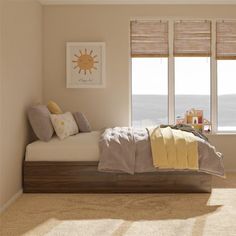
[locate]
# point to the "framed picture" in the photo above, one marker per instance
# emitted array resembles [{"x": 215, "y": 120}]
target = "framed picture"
[{"x": 85, "y": 65}]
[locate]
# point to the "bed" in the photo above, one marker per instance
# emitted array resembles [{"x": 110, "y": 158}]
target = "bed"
[{"x": 70, "y": 166}]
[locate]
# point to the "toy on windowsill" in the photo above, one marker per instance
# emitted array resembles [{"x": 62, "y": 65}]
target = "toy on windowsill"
[
  {"x": 194, "y": 118},
  {"x": 180, "y": 120},
  {"x": 206, "y": 126}
]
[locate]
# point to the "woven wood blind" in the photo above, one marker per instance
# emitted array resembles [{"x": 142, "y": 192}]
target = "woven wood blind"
[
  {"x": 226, "y": 40},
  {"x": 192, "y": 38},
  {"x": 149, "y": 39}
]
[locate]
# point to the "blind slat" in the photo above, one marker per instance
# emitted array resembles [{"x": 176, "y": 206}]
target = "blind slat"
[
  {"x": 226, "y": 40},
  {"x": 192, "y": 38},
  {"x": 149, "y": 38}
]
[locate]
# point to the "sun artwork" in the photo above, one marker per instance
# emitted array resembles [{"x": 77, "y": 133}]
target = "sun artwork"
[{"x": 85, "y": 62}]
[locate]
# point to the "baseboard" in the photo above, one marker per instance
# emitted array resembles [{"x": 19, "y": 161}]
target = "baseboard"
[{"x": 10, "y": 201}]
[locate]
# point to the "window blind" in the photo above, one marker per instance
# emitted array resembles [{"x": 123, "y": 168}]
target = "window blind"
[
  {"x": 226, "y": 40},
  {"x": 149, "y": 38},
  {"x": 192, "y": 38}
]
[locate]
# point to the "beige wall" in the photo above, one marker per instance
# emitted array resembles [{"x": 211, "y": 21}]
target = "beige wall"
[
  {"x": 21, "y": 86},
  {"x": 110, "y": 106}
]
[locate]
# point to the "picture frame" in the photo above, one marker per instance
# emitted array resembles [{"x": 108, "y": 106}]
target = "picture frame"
[{"x": 85, "y": 65}]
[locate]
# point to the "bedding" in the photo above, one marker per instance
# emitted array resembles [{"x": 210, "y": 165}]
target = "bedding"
[
  {"x": 39, "y": 118},
  {"x": 124, "y": 149},
  {"x": 128, "y": 150},
  {"x": 173, "y": 148},
  {"x": 82, "y": 122},
  {"x": 64, "y": 125},
  {"x": 80, "y": 147},
  {"x": 119, "y": 149},
  {"x": 54, "y": 108}
]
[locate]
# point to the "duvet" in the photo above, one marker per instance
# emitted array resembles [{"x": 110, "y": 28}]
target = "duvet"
[{"x": 127, "y": 149}]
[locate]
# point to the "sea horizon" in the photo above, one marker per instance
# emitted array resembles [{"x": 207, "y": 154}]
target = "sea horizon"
[{"x": 151, "y": 109}]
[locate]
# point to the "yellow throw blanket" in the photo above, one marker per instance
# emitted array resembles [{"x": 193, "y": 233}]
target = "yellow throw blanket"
[{"x": 173, "y": 149}]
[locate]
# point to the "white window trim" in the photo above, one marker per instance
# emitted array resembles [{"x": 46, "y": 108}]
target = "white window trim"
[
  {"x": 214, "y": 96},
  {"x": 171, "y": 74}
]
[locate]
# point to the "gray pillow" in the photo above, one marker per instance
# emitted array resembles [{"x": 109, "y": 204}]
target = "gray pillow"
[
  {"x": 82, "y": 122},
  {"x": 39, "y": 118}
]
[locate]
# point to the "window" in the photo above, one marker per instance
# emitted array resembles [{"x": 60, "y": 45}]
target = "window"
[
  {"x": 226, "y": 95},
  {"x": 192, "y": 48},
  {"x": 149, "y": 51},
  {"x": 177, "y": 65},
  {"x": 149, "y": 91},
  {"x": 226, "y": 64},
  {"x": 192, "y": 85}
]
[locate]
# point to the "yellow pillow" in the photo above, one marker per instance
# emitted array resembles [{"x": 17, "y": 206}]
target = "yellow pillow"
[{"x": 54, "y": 108}]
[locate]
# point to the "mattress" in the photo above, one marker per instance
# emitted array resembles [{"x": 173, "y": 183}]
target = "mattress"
[{"x": 80, "y": 147}]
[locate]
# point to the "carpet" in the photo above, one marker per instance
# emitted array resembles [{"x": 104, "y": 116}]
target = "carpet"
[{"x": 124, "y": 214}]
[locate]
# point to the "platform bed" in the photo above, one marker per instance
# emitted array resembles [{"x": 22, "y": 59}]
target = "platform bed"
[{"x": 83, "y": 177}]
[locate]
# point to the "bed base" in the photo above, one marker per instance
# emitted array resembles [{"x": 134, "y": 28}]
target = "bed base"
[{"x": 83, "y": 177}]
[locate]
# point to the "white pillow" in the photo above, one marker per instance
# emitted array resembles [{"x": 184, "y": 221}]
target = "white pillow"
[{"x": 64, "y": 124}]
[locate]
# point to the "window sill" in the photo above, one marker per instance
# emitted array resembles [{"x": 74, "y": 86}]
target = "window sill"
[{"x": 233, "y": 133}]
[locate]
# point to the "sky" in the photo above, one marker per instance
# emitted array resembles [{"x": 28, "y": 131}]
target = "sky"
[{"x": 192, "y": 76}]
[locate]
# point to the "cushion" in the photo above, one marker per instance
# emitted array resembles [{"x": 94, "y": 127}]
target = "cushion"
[
  {"x": 82, "y": 122},
  {"x": 54, "y": 108},
  {"x": 64, "y": 124},
  {"x": 39, "y": 118}
]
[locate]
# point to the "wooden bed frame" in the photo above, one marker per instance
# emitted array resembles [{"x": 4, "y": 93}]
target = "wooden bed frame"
[{"x": 83, "y": 177}]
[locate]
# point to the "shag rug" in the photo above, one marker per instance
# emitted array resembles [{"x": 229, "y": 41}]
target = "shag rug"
[{"x": 124, "y": 214}]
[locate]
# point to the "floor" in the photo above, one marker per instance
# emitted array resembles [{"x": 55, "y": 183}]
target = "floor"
[{"x": 125, "y": 214}]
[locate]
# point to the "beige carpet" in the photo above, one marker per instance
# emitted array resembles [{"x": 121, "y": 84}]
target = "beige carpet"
[{"x": 125, "y": 214}]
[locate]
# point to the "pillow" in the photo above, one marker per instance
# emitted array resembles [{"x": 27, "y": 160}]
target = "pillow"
[
  {"x": 54, "y": 108},
  {"x": 64, "y": 124},
  {"x": 82, "y": 122},
  {"x": 39, "y": 118}
]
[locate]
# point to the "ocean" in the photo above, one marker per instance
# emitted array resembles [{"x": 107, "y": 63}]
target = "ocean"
[{"x": 148, "y": 110}]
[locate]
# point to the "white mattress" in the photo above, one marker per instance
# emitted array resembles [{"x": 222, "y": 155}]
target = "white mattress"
[{"x": 80, "y": 147}]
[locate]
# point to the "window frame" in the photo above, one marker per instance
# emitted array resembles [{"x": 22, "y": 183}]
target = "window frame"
[{"x": 171, "y": 73}]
